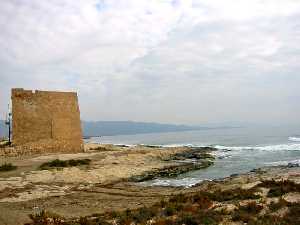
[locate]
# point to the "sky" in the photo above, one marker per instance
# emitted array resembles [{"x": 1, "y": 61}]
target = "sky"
[{"x": 169, "y": 61}]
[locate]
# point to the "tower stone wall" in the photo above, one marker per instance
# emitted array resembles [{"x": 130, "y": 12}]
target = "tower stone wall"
[{"x": 46, "y": 121}]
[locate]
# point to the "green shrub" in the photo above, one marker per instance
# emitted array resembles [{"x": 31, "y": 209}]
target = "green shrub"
[
  {"x": 209, "y": 217},
  {"x": 279, "y": 188},
  {"x": 232, "y": 194},
  {"x": 101, "y": 148},
  {"x": 188, "y": 220},
  {"x": 43, "y": 218},
  {"x": 125, "y": 218},
  {"x": 179, "y": 198},
  {"x": 65, "y": 163},
  {"x": 144, "y": 214},
  {"x": 278, "y": 205},
  {"x": 7, "y": 167},
  {"x": 203, "y": 201},
  {"x": 290, "y": 218},
  {"x": 164, "y": 222},
  {"x": 162, "y": 203},
  {"x": 268, "y": 220},
  {"x": 246, "y": 213},
  {"x": 4, "y": 143},
  {"x": 170, "y": 210}
]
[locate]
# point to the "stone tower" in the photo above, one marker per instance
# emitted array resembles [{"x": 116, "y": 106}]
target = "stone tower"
[{"x": 46, "y": 121}]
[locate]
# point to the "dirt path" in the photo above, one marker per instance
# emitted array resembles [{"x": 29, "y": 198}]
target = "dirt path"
[{"x": 85, "y": 201}]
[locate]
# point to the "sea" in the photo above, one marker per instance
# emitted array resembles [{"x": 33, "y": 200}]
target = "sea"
[{"x": 239, "y": 149}]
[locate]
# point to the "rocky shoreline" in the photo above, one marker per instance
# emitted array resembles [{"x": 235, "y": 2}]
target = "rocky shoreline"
[
  {"x": 171, "y": 171},
  {"x": 186, "y": 161}
]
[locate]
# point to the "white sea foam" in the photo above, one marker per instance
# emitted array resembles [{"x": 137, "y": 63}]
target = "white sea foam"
[
  {"x": 222, "y": 154},
  {"x": 184, "y": 182},
  {"x": 183, "y": 145},
  {"x": 294, "y": 138},
  {"x": 126, "y": 145},
  {"x": 281, "y": 147},
  {"x": 283, "y": 163}
]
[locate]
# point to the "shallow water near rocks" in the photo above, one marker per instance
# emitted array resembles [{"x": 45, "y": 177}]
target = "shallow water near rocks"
[{"x": 239, "y": 149}]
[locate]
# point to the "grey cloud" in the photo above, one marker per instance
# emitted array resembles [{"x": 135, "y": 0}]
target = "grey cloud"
[{"x": 189, "y": 62}]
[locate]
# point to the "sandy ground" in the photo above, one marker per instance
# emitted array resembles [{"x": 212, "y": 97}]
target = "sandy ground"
[
  {"x": 80, "y": 190},
  {"x": 108, "y": 166}
]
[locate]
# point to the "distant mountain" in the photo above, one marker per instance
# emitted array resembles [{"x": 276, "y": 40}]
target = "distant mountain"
[{"x": 110, "y": 128}]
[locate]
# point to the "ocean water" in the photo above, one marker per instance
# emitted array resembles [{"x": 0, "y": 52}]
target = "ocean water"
[{"x": 239, "y": 149}]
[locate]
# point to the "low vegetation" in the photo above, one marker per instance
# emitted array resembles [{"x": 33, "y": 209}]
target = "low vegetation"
[
  {"x": 7, "y": 167},
  {"x": 233, "y": 194},
  {"x": 279, "y": 188},
  {"x": 247, "y": 212},
  {"x": 4, "y": 143},
  {"x": 200, "y": 208},
  {"x": 101, "y": 149},
  {"x": 211, "y": 206},
  {"x": 281, "y": 203},
  {"x": 188, "y": 209},
  {"x": 65, "y": 163},
  {"x": 291, "y": 217}
]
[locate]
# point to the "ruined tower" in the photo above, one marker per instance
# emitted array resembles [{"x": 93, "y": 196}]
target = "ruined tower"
[{"x": 46, "y": 121}]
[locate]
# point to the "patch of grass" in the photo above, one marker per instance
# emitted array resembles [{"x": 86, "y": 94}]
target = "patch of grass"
[
  {"x": 209, "y": 217},
  {"x": 190, "y": 209},
  {"x": 125, "y": 218},
  {"x": 4, "y": 143},
  {"x": 170, "y": 210},
  {"x": 179, "y": 198},
  {"x": 45, "y": 218},
  {"x": 268, "y": 220},
  {"x": 188, "y": 220},
  {"x": 274, "y": 206},
  {"x": 162, "y": 203},
  {"x": 65, "y": 163},
  {"x": 101, "y": 149},
  {"x": 138, "y": 216},
  {"x": 163, "y": 222},
  {"x": 144, "y": 214},
  {"x": 279, "y": 188},
  {"x": 246, "y": 213},
  {"x": 232, "y": 194},
  {"x": 173, "y": 207},
  {"x": 203, "y": 201},
  {"x": 7, "y": 167},
  {"x": 48, "y": 218},
  {"x": 86, "y": 221},
  {"x": 290, "y": 218}
]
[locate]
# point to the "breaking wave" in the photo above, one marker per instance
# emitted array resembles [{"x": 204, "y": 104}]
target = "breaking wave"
[
  {"x": 294, "y": 138},
  {"x": 280, "y": 147},
  {"x": 284, "y": 163},
  {"x": 184, "y": 182}
]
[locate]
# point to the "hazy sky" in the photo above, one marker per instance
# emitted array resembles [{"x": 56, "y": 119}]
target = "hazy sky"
[{"x": 177, "y": 61}]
